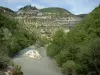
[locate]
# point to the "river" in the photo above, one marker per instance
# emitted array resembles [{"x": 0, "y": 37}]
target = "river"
[{"x": 43, "y": 66}]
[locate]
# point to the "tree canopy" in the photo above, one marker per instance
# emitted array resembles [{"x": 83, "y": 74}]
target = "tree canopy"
[{"x": 79, "y": 48}]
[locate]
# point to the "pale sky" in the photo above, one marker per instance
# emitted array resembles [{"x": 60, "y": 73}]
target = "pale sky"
[{"x": 74, "y": 6}]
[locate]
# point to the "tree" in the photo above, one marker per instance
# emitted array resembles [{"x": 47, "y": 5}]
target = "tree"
[
  {"x": 94, "y": 55},
  {"x": 69, "y": 67},
  {"x": 57, "y": 44}
]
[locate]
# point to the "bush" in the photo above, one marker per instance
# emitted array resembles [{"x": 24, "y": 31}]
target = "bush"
[
  {"x": 81, "y": 45},
  {"x": 69, "y": 67},
  {"x": 3, "y": 61}
]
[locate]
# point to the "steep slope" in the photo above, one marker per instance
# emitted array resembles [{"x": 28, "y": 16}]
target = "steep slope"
[
  {"x": 79, "y": 50},
  {"x": 28, "y": 7},
  {"x": 82, "y": 15},
  {"x": 13, "y": 38},
  {"x": 54, "y": 9},
  {"x": 6, "y": 11},
  {"x": 16, "y": 34},
  {"x": 8, "y": 42}
]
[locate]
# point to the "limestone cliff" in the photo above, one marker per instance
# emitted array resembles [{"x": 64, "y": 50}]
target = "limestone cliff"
[{"x": 46, "y": 21}]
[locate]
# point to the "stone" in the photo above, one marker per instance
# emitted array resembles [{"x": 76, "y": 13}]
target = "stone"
[{"x": 33, "y": 54}]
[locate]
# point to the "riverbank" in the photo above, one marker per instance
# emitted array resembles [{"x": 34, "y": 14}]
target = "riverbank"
[{"x": 43, "y": 66}]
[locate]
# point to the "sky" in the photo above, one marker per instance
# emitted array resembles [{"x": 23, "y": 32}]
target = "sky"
[{"x": 74, "y": 6}]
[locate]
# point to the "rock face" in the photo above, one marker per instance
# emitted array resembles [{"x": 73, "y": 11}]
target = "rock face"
[
  {"x": 9, "y": 70},
  {"x": 46, "y": 21},
  {"x": 33, "y": 54}
]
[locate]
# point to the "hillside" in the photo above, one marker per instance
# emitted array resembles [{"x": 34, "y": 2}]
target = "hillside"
[
  {"x": 13, "y": 38},
  {"x": 82, "y": 15},
  {"x": 28, "y": 7},
  {"x": 78, "y": 51},
  {"x": 55, "y": 10},
  {"x": 6, "y": 11}
]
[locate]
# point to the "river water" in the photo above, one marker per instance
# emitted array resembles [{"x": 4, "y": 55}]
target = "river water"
[{"x": 43, "y": 66}]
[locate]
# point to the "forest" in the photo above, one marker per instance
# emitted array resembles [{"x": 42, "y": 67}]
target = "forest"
[
  {"x": 13, "y": 38},
  {"x": 78, "y": 51}
]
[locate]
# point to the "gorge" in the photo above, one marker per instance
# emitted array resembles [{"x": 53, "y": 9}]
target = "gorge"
[
  {"x": 49, "y": 41},
  {"x": 46, "y": 21}
]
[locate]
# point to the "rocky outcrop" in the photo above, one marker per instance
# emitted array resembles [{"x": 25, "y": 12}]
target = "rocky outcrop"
[{"x": 33, "y": 54}]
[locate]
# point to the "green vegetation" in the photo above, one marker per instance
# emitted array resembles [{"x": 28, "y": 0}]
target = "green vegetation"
[
  {"x": 13, "y": 38},
  {"x": 78, "y": 51},
  {"x": 82, "y": 15},
  {"x": 42, "y": 41},
  {"x": 7, "y": 11},
  {"x": 54, "y": 10},
  {"x": 28, "y": 7}
]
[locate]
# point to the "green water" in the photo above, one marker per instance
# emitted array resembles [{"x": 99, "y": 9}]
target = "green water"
[{"x": 43, "y": 66}]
